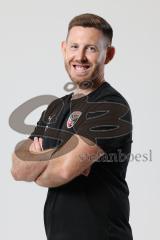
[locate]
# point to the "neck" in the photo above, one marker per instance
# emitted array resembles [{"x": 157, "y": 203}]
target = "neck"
[{"x": 85, "y": 88}]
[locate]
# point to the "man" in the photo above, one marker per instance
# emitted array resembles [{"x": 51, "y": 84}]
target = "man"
[{"x": 81, "y": 145}]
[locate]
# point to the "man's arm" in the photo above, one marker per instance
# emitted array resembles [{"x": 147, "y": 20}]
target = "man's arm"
[
  {"x": 29, "y": 161},
  {"x": 66, "y": 165},
  {"x": 27, "y": 165}
]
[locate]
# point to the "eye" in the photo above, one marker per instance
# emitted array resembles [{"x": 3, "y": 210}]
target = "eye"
[
  {"x": 73, "y": 47},
  {"x": 91, "y": 48}
]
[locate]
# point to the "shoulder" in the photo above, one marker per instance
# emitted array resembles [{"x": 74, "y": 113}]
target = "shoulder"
[
  {"x": 109, "y": 93},
  {"x": 56, "y": 105},
  {"x": 113, "y": 99}
]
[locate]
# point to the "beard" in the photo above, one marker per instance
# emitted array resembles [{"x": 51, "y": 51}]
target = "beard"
[{"x": 91, "y": 80}]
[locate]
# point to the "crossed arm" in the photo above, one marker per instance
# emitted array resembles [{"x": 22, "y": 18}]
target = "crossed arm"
[{"x": 64, "y": 165}]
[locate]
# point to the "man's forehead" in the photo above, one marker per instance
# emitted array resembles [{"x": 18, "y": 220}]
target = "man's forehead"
[
  {"x": 85, "y": 30},
  {"x": 78, "y": 33}
]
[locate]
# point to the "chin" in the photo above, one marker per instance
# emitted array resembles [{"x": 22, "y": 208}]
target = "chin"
[{"x": 80, "y": 80}]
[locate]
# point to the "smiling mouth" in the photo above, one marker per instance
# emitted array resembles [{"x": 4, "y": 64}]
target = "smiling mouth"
[{"x": 81, "y": 68}]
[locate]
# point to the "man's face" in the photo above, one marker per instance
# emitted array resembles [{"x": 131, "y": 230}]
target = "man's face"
[{"x": 85, "y": 54}]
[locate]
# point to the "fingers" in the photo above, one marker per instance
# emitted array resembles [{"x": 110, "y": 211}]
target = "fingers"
[
  {"x": 32, "y": 147},
  {"x": 36, "y": 146},
  {"x": 41, "y": 143}
]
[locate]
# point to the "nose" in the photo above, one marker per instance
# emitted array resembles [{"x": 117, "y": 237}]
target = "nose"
[{"x": 81, "y": 55}]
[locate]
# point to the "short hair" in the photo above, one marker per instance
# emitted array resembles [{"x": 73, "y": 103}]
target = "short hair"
[{"x": 95, "y": 21}]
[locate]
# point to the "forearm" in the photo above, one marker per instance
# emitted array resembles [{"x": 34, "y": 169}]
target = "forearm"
[
  {"x": 50, "y": 182},
  {"x": 27, "y": 166},
  {"x": 54, "y": 176},
  {"x": 65, "y": 165},
  {"x": 26, "y": 170}
]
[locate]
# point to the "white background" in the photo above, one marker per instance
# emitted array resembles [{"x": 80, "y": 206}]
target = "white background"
[{"x": 31, "y": 64}]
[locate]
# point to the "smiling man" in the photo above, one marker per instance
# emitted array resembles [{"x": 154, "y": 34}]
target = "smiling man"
[{"x": 80, "y": 147}]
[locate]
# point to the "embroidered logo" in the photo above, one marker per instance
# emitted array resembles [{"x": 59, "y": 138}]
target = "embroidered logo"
[{"x": 73, "y": 118}]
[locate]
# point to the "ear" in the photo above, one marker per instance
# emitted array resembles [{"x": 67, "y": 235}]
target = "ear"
[
  {"x": 63, "y": 47},
  {"x": 109, "y": 54}
]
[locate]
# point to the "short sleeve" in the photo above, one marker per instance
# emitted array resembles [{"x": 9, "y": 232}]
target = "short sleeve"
[
  {"x": 40, "y": 127},
  {"x": 47, "y": 117}
]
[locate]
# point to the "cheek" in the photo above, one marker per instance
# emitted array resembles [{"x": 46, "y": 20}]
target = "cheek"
[
  {"x": 97, "y": 58},
  {"x": 69, "y": 55},
  {"x": 102, "y": 58},
  {"x": 69, "y": 58},
  {"x": 92, "y": 58}
]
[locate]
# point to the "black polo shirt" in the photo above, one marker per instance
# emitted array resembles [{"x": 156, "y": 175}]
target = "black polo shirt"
[{"x": 95, "y": 207}]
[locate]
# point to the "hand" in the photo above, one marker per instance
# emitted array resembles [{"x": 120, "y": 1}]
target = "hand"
[
  {"x": 86, "y": 171},
  {"x": 36, "y": 146}
]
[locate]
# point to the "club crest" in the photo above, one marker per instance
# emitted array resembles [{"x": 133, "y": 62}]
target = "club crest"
[{"x": 73, "y": 118}]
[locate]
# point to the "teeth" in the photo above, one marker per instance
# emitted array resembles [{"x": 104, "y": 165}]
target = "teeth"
[{"x": 79, "y": 67}]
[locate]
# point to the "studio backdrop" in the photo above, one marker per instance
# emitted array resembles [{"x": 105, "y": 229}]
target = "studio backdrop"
[{"x": 32, "y": 72}]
